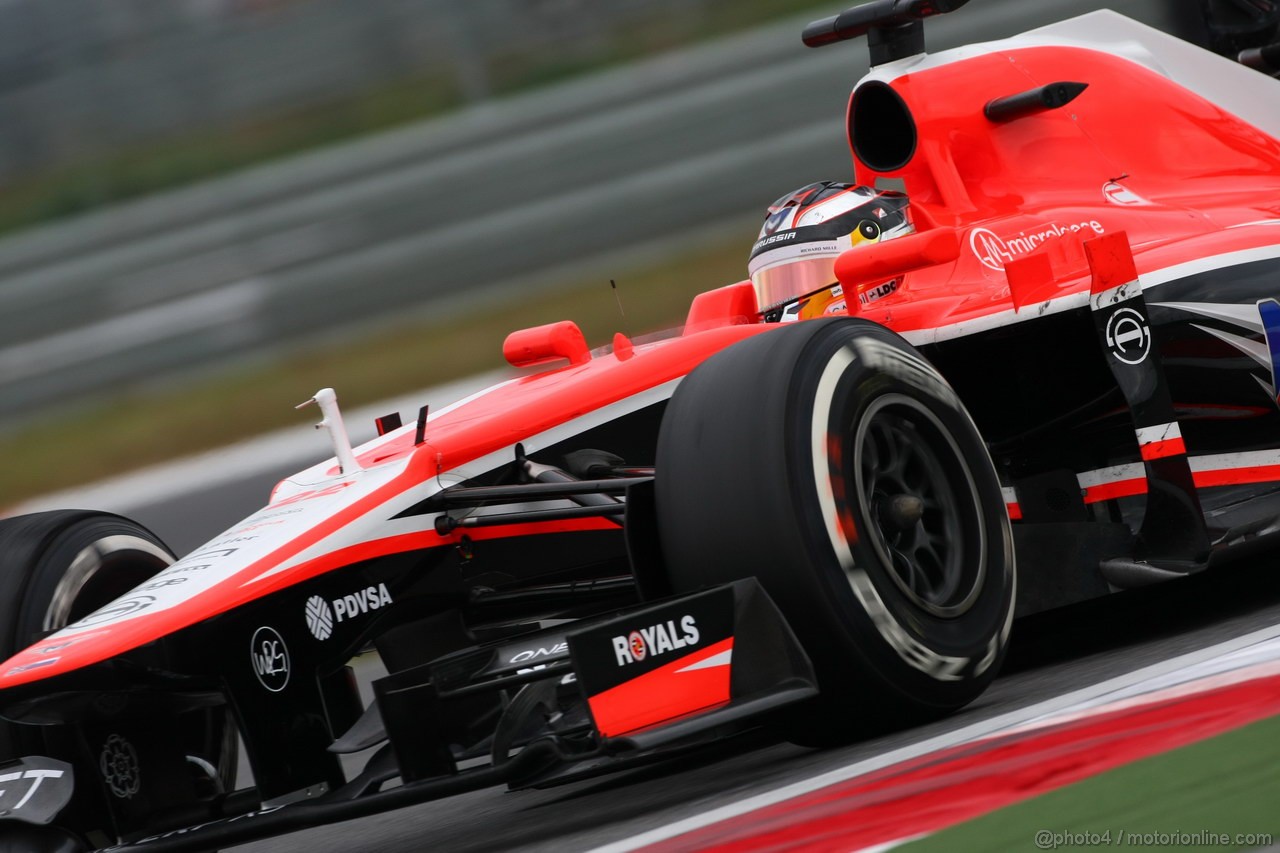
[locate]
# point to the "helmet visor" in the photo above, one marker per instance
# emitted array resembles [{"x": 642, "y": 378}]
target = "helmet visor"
[{"x": 788, "y": 280}]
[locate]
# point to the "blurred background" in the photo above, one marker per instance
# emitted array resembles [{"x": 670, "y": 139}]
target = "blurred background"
[{"x": 211, "y": 208}]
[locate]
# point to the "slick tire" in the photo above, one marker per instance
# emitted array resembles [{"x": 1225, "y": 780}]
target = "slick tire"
[
  {"x": 830, "y": 461},
  {"x": 58, "y": 567}
]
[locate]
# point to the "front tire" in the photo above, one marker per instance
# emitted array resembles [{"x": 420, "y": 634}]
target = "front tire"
[
  {"x": 58, "y": 567},
  {"x": 833, "y": 463}
]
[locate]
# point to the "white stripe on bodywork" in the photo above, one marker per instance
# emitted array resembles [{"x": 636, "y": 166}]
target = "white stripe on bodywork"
[
  {"x": 1227, "y": 461},
  {"x": 386, "y": 526},
  {"x": 242, "y": 545},
  {"x": 1080, "y": 299},
  {"x": 1208, "y": 264},
  {"x": 1112, "y": 474},
  {"x": 274, "y": 526},
  {"x": 1237, "y": 314},
  {"x": 724, "y": 658},
  {"x": 1256, "y": 350},
  {"x": 1160, "y": 432},
  {"x": 1114, "y": 295},
  {"x": 1211, "y": 462},
  {"x": 1255, "y": 223}
]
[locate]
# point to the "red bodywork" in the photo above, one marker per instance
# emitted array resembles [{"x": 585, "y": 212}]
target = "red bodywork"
[{"x": 1191, "y": 177}]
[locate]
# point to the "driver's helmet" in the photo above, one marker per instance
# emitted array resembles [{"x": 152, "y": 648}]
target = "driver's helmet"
[{"x": 792, "y": 264}]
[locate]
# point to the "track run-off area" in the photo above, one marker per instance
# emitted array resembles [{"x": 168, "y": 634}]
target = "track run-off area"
[{"x": 908, "y": 793}]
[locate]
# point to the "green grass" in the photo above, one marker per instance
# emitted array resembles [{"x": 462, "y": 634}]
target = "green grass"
[
  {"x": 112, "y": 176},
  {"x": 207, "y": 152},
  {"x": 1227, "y": 784},
  {"x": 142, "y": 427}
]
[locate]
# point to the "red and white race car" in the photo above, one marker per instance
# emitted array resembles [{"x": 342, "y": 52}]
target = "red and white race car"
[{"x": 1042, "y": 325}]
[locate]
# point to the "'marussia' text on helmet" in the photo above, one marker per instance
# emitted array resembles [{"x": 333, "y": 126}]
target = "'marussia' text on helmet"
[{"x": 792, "y": 264}]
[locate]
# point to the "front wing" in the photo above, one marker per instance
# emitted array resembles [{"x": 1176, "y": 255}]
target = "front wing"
[{"x": 576, "y": 700}]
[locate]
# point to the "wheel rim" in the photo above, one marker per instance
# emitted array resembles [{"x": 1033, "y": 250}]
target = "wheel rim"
[
  {"x": 101, "y": 572},
  {"x": 920, "y": 503},
  {"x": 85, "y": 587}
]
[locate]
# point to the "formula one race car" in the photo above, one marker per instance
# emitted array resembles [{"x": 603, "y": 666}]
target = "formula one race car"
[{"x": 1043, "y": 324}]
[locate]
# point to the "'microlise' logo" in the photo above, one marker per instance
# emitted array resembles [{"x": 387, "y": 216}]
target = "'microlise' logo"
[{"x": 995, "y": 251}]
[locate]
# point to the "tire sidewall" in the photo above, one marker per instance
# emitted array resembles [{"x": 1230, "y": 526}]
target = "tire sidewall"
[
  {"x": 738, "y": 495},
  {"x": 126, "y": 554},
  {"x": 65, "y": 564},
  {"x": 36, "y": 552},
  {"x": 847, "y": 371}
]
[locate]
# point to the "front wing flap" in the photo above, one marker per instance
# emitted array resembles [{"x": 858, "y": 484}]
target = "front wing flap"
[{"x": 700, "y": 655}]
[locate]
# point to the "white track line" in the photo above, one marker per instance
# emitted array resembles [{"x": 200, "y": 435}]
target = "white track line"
[
  {"x": 1243, "y": 651},
  {"x": 300, "y": 446}
]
